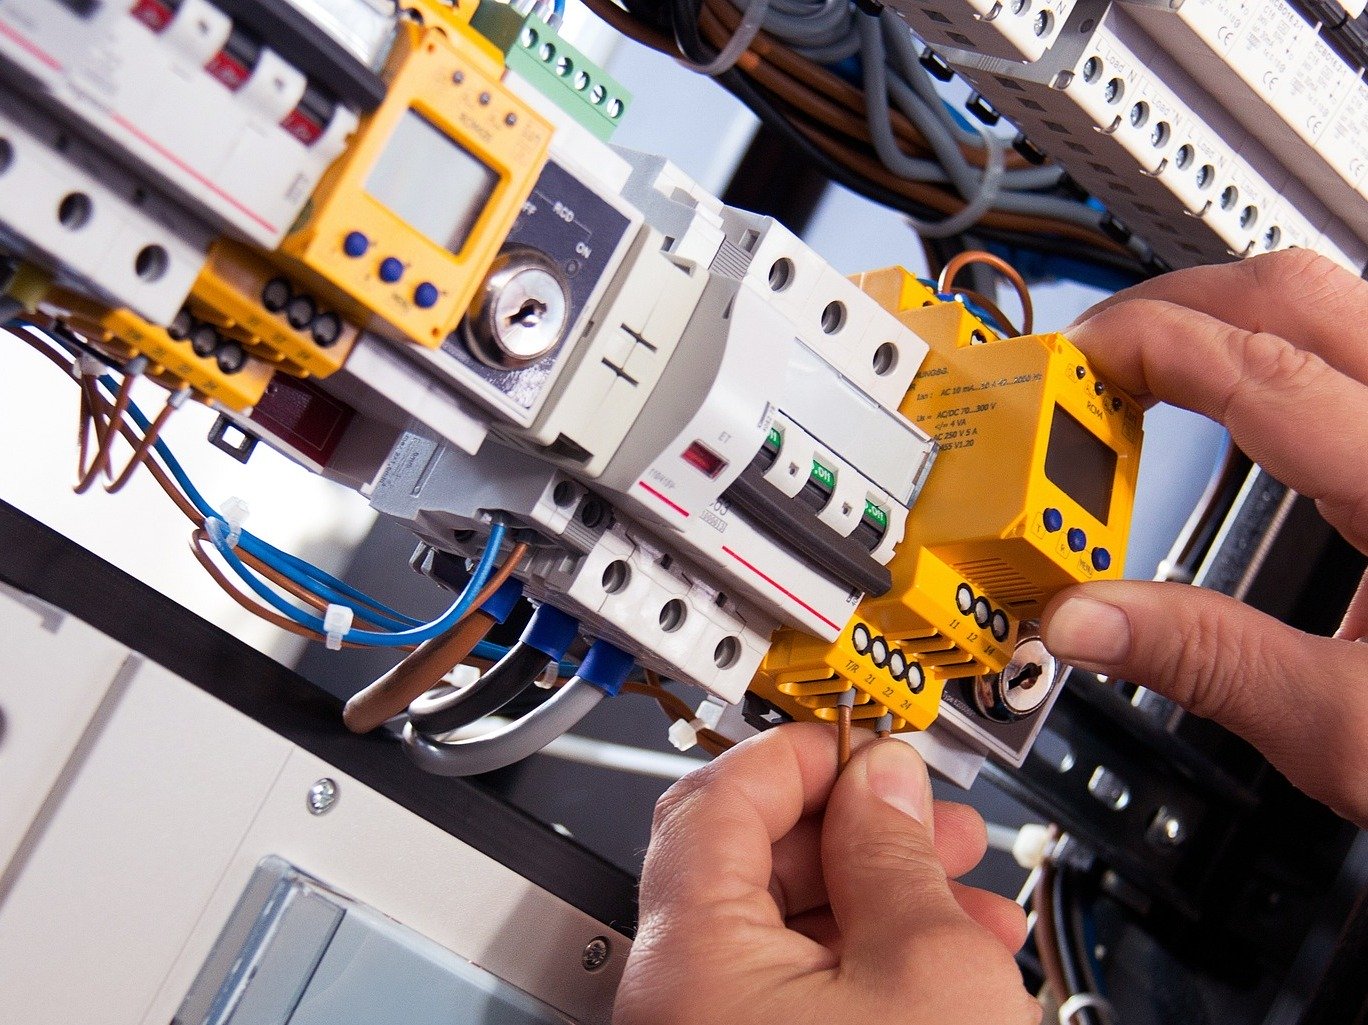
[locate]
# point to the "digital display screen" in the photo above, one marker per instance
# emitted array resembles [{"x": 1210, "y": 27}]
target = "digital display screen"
[
  {"x": 428, "y": 180},
  {"x": 1080, "y": 465}
]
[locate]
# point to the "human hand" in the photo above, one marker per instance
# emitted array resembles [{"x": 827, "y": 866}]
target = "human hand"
[
  {"x": 774, "y": 892},
  {"x": 1274, "y": 348}
]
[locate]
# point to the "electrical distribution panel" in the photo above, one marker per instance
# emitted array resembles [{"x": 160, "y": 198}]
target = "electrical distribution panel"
[{"x": 404, "y": 252}]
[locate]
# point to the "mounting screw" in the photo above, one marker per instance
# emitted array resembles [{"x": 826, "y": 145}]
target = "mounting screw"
[
  {"x": 322, "y": 796},
  {"x": 1166, "y": 829},
  {"x": 595, "y": 954}
]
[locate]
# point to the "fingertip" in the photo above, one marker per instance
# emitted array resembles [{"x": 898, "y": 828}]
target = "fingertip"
[
  {"x": 896, "y": 775},
  {"x": 961, "y": 837},
  {"x": 1005, "y": 919},
  {"x": 1084, "y": 631}
]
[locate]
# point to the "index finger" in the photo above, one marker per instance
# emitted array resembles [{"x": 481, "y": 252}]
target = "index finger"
[
  {"x": 1294, "y": 293},
  {"x": 1286, "y": 408},
  {"x": 712, "y": 839}
]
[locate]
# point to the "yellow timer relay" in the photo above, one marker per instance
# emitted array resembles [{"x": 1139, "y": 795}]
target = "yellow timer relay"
[
  {"x": 1031, "y": 491},
  {"x": 407, "y": 221}
]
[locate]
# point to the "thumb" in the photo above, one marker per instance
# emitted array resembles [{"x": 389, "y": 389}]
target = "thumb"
[
  {"x": 1301, "y": 700},
  {"x": 886, "y": 885}
]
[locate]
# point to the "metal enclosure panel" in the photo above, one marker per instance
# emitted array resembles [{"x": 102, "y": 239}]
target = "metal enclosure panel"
[
  {"x": 383, "y": 856},
  {"x": 118, "y": 880},
  {"x": 173, "y": 801},
  {"x": 55, "y": 675}
]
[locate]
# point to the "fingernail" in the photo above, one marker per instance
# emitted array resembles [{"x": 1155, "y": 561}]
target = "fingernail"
[
  {"x": 897, "y": 776},
  {"x": 1089, "y": 634}
]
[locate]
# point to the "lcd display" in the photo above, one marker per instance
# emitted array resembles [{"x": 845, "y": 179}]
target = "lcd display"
[
  {"x": 1080, "y": 465},
  {"x": 428, "y": 180}
]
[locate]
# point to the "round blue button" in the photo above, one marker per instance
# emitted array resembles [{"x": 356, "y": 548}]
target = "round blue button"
[
  {"x": 1053, "y": 519},
  {"x": 355, "y": 244},
  {"x": 1077, "y": 539},
  {"x": 1101, "y": 559},
  {"x": 425, "y": 295},
  {"x": 391, "y": 269}
]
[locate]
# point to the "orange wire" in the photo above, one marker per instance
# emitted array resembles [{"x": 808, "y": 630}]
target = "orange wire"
[
  {"x": 105, "y": 436},
  {"x": 143, "y": 447},
  {"x": 970, "y": 257}
]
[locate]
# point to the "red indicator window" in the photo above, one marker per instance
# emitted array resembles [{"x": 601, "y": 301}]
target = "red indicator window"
[
  {"x": 704, "y": 460},
  {"x": 153, "y": 14}
]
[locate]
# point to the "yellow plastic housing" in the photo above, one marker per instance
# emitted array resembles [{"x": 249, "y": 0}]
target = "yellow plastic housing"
[
  {"x": 173, "y": 362},
  {"x": 227, "y": 294},
  {"x": 994, "y": 534},
  {"x": 449, "y": 77}
]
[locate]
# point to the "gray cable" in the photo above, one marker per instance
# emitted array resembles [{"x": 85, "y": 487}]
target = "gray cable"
[
  {"x": 905, "y": 57},
  {"x": 444, "y": 709},
  {"x": 979, "y": 195},
  {"x": 507, "y": 745},
  {"x": 838, "y": 51}
]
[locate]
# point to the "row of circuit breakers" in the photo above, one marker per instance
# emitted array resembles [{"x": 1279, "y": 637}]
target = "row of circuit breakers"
[{"x": 398, "y": 246}]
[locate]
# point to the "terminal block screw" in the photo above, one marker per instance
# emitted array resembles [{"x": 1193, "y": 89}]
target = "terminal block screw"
[
  {"x": 322, "y": 796},
  {"x": 595, "y": 954}
]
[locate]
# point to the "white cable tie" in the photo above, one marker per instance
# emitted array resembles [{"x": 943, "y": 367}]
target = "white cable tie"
[
  {"x": 1086, "y": 1001},
  {"x": 1033, "y": 846},
  {"x": 337, "y": 622},
  {"x": 234, "y": 514},
  {"x": 547, "y": 678},
  {"x": 710, "y": 712},
  {"x": 683, "y": 735}
]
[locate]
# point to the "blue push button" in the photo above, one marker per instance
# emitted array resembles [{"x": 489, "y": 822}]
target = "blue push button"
[
  {"x": 1077, "y": 539},
  {"x": 1053, "y": 520},
  {"x": 425, "y": 295},
  {"x": 1101, "y": 559},
  {"x": 391, "y": 269},
  {"x": 355, "y": 244}
]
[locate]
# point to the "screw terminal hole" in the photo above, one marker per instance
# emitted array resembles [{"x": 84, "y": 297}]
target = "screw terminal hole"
[
  {"x": 73, "y": 212},
  {"x": 727, "y": 652},
  {"x": 672, "y": 615},
  {"x": 781, "y": 274},
  {"x": 615, "y": 576}
]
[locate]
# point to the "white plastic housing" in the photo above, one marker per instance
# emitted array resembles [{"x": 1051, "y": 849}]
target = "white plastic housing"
[
  {"x": 150, "y": 98},
  {"x": 1199, "y": 191},
  {"x": 66, "y": 208}
]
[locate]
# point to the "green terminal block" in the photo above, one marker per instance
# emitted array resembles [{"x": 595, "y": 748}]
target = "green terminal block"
[{"x": 534, "y": 50}]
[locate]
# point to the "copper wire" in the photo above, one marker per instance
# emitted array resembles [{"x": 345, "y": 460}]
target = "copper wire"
[
  {"x": 395, "y": 690},
  {"x": 143, "y": 447},
  {"x": 101, "y": 418},
  {"x": 843, "y": 715},
  {"x": 675, "y": 709},
  {"x": 198, "y": 538},
  {"x": 993, "y": 309},
  {"x": 1046, "y": 939},
  {"x": 105, "y": 436},
  {"x": 972, "y": 257},
  {"x": 719, "y": 21}
]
